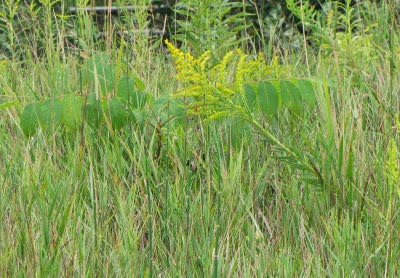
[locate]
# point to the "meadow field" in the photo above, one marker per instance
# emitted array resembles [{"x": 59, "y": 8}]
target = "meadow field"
[{"x": 235, "y": 141}]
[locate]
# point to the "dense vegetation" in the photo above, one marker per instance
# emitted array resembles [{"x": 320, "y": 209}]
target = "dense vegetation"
[{"x": 250, "y": 143}]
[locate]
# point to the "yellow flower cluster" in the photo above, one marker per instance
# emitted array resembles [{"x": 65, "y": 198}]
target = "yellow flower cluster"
[{"x": 213, "y": 84}]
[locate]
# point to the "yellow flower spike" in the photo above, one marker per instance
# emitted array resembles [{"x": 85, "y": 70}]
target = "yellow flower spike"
[
  {"x": 274, "y": 61},
  {"x": 217, "y": 115},
  {"x": 203, "y": 59},
  {"x": 221, "y": 70},
  {"x": 224, "y": 90},
  {"x": 212, "y": 86},
  {"x": 175, "y": 52},
  {"x": 241, "y": 70},
  {"x": 260, "y": 57}
]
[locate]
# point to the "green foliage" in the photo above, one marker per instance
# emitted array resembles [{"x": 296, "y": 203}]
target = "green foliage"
[
  {"x": 28, "y": 29},
  {"x": 302, "y": 10},
  {"x": 97, "y": 109},
  {"x": 210, "y": 25},
  {"x": 337, "y": 29},
  {"x": 94, "y": 111},
  {"x": 72, "y": 111},
  {"x": 274, "y": 26},
  {"x": 51, "y": 114},
  {"x": 392, "y": 169},
  {"x": 99, "y": 74},
  {"x": 131, "y": 90},
  {"x": 268, "y": 98},
  {"x": 117, "y": 113},
  {"x": 295, "y": 95},
  {"x": 219, "y": 90},
  {"x": 30, "y": 119}
]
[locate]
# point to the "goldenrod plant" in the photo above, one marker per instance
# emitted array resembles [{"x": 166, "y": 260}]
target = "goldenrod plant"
[
  {"x": 214, "y": 85},
  {"x": 234, "y": 85}
]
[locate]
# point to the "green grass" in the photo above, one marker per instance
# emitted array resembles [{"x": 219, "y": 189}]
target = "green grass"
[{"x": 127, "y": 204}]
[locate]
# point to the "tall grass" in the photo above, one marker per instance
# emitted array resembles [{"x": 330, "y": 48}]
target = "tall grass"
[{"x": 199, "y": 198}]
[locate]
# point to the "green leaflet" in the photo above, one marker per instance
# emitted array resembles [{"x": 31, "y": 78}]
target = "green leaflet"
[
  {"x": 291, "y": 97},
  {"x": 250, "y": 95},
  {"x": 29, "y": 119},
  {"x": 307, "y": 92},
  {"x": 72, "y": 111},
  {"x": 117, "y": 113},
  {"x": 94, "y": 111},
  {"x": 99, "y": 74},
  {"x": 50, "y": 115},
  {"x": 130, "y": 90},
  {"x": 268, "y": 98},
  {"x": 296, "y": 95}
]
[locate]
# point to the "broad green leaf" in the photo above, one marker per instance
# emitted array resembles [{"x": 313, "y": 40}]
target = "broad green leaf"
[
  {"x": 29, "y": 119},
  {"x": 166, "y": 107},
  {"x": 72, "y": 111},
  {"x": 50, "y": 115},
  {"x": 277, "y": 86},
  {"x": 250, "y": 95},
  {"x": 139, "y": 84},
  {"x": 117, "y": 112},
  {"x": 307, "y": 92},
  {"x": 94, "y": 111},
  {"x": 268, "y": 99},
  {"x": 99, "y": 72},
  {"x": 285, "y": 96},
  {"x": 177, "y": 110},
  {"x": 160, "y": 103},
  {"x": 139, "y": 116},
  {"x": 291, "y": 97},
  {"x": 125, "y": 87},
  {"x": 128, "y": 91}
]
